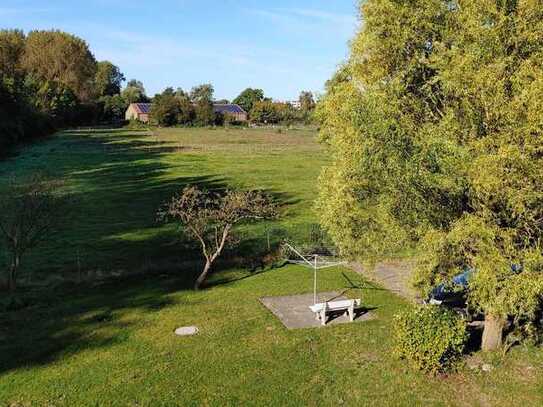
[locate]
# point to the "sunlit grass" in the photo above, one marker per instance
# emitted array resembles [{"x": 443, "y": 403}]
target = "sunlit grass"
[
  {"x": 112, "y": 344},
  {"x": 120, "y": 178}
]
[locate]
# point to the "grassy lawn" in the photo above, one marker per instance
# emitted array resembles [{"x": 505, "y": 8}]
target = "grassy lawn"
[
  {"x": 119, "y": 180},
  {"x": 113, "y": 345}
]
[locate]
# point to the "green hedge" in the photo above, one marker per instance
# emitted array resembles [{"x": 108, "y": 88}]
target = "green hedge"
[{"x": 431, "y": 338}]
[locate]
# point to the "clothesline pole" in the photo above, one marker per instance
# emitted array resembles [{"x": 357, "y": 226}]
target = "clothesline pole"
[{"x": 315, "y": 281}]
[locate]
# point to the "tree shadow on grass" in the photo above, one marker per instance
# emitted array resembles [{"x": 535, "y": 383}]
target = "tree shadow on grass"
[
  {"x": 217, "y": 280},
  {"x": 66, "y": 322},
  {"x": 118, "y": 183}
]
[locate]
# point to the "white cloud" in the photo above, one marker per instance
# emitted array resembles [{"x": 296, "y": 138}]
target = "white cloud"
[
  {"x": 13, "y": 11},
  {"x": 334, "y": 18},
  {"x": 166, "y": 61},
  {"x": 305, "y": 19},
  {"x": 130, "y": 48},
  {"x": 287, "y": 53}
]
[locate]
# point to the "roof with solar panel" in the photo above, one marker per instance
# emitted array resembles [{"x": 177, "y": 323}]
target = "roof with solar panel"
[
  {"x": 143, "y": 108},
  {"x": 227, "y": 108}
]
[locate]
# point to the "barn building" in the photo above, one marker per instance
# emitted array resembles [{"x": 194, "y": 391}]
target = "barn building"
[
  {"x": 231, "y": 109},
  {"x": 139, "y": 112}
]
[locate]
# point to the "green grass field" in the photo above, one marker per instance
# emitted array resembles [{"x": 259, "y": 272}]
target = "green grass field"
[
  {"x": 112, "y": 343},
  {"x": 119, "y": 180}
]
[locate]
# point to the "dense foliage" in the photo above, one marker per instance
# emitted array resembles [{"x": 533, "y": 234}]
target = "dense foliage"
[
  {"x": 172, "y": 108},
  {"x": 61, "y": 62},
  {"x": 109, "y": 79},
  {"x": 307, "y": 101},
  {"x": 269, "y": 112},
  {"x": 50, "y": 79},
  {"x": 248, "y": 98},
  {"x": 430, "y": 338},
  {"x": 134, "y": 92},
  {"x": 196, "y": 108},
  {"x": 19, "y": 118},
  {"x": 436, "y": 129}
]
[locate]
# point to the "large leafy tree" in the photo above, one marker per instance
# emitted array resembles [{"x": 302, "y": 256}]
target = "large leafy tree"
[
  {"x": 202, "y": 97},
  {"x": 186, "y": 108},
  {"x": 12, "y": 43},
  {"x": 307, "y": 101},
  {"x": 265, "y": 112},
  {"x": 113, "y": 108},
  {"x": 436, "y": 129},
  {"x": 109, "y": 79},
  {"x": 12, "y": 47},
  {"x": 202, "y": 93},
  {"x": 134, "y": 92},
  {"x": 248, "y": 98},
  {"x": 19, "y": 118},
  {"x": 51, "y": 79},
  {"x": 60, "y": 59},
  {"x": 166, "y": 108}
]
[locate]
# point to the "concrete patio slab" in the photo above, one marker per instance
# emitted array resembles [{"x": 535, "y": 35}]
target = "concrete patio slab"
[{"x": 293, "y": 310}]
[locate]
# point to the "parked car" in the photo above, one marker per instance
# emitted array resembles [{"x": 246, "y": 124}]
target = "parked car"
[{"x": 453, "y": 293}]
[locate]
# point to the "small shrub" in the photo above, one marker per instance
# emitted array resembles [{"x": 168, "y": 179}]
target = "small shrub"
[{"x": 430, "y": 338}]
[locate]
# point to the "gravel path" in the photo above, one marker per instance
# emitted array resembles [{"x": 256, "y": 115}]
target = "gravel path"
[{"x": 394, "y": 275}]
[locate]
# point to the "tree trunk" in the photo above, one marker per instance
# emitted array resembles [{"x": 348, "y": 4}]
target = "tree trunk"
[
  {"x": 202, "y": 276},
  {"x": 12, "y": 284},
  {"x": 492, "y": 332},
  {"x": 12, "y": 275}
]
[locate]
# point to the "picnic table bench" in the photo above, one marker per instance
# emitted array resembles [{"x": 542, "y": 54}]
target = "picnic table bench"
[{"x": 323, "y": 308}]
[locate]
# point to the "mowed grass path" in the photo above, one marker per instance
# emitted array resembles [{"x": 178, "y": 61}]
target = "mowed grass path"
[{"x": 113, "y": 344}]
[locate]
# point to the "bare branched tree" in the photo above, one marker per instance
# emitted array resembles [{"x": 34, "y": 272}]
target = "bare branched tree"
[
  {"x": 30, "y": 211},
  {"x": 209, "y": 218}
]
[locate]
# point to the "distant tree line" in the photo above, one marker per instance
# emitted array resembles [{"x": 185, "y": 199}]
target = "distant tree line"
[
  {"x": 263, "y": 110},
  {"x": 177, "y": 107},
  {"x": 50, "y": 80},
  {"x": 195, "y": 108}
]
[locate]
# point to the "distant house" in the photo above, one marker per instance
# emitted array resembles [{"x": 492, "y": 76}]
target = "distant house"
[
  {"x": 296, "y": 104},
  {"x": 236, "y": 111},
  {"x": 139, "y": 112}
]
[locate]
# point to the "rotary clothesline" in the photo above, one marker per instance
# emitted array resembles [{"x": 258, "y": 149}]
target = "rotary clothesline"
[{"x": 315, "y": 262}]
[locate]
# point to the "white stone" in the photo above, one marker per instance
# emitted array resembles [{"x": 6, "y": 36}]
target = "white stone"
[
  {"x": 486, "y": 367},
  {"x": 186, "y": 331}
]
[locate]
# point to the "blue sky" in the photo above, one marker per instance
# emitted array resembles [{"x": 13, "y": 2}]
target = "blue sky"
[{"x": 281, "y": 46}]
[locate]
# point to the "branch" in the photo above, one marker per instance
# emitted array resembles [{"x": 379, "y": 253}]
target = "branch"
[
  {"x": 216, "y": 237},
  {"x": 200, "y": 237},
  {"x": 225, "y": 233}
]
